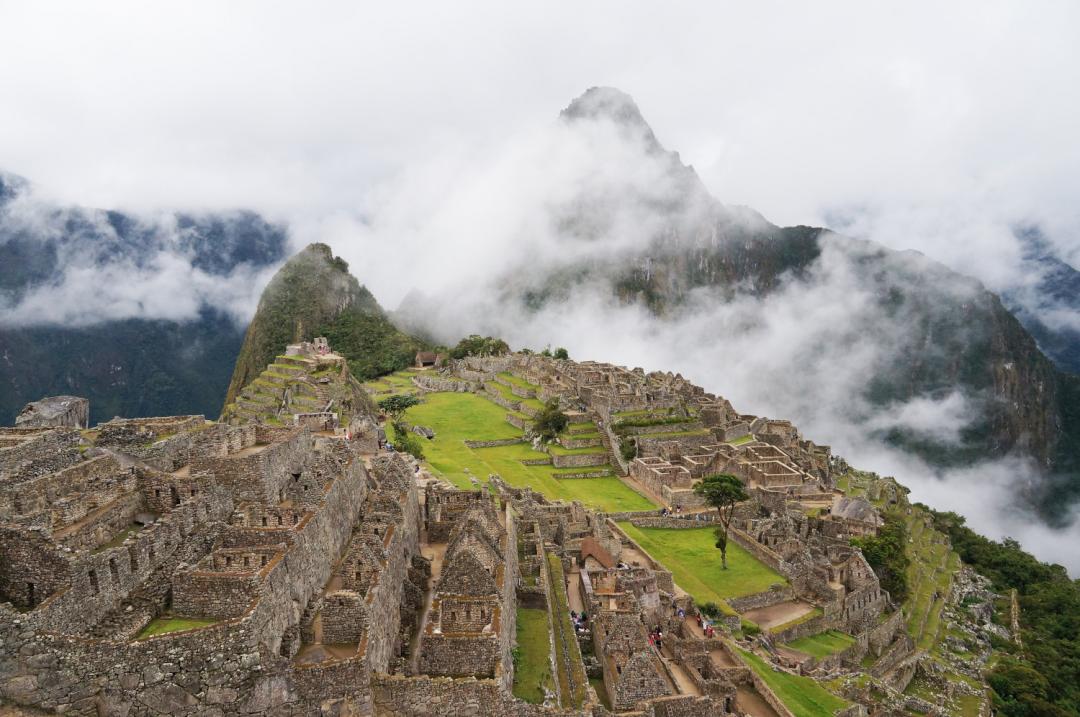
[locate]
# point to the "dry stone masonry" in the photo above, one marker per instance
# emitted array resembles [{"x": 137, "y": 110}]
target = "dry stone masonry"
[{"x": 283, "y": 561}]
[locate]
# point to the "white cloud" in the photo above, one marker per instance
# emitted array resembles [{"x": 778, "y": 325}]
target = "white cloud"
[{"x": 417, "y": 139}]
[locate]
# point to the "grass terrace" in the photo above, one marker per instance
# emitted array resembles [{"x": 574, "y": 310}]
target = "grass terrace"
[
  {"x": 802, "y": 695},
  {"x": 457, "y": 417},
  {"x": 517, "y": 381},
  {"x": 823, "y": 645},
  {"x": 532, "y": 668},
  {"x": 510, "y": 396},
  {"x": 165, "y": 624},
  {"x": 741, "y": 440},
  {"x": 694, "y": 561},
  {"x": 399, "y": 382},
  {"x": 571, "y": 672}
]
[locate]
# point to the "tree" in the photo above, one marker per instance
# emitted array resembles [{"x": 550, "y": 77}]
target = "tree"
[
  {"x": 886, "y": 554},
  {"x": 561, "y": 353},
  {"x": 396, "y": 406},
  {"x": 550, "y": 421},
  {"x": 723, "y": 492},
  {"x": 476, "y": 345},
  {"x": 407, "y": 442}
]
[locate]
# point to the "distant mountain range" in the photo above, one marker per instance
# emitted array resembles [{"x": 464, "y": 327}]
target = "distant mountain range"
[
  {"x": 127, "y": 366},
  {"x": 942, "y": 332}
]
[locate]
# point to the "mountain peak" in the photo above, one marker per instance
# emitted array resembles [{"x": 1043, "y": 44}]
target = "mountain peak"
[{"x": 613, "y": 105}]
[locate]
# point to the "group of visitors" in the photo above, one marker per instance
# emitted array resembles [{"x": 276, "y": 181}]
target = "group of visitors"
[
  {"x": 581, "y": 622},
  {"x": 706, "y": 626},
  {"x": 677, "y": 510},
  {"x": 656, "y": 637}
]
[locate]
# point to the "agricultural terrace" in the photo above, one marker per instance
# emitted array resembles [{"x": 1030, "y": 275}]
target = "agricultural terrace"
[
  {"x": 802, "y": 695},
  {"x": 458, "y": 417},
  {"x": 825, "y": 644},
  {"x": 694, "y": 561},
  {"x": 392, "y": 384}
]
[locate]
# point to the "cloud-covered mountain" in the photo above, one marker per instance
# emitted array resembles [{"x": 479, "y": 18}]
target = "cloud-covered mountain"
[
  {"x": 143, "y": 315},
  {"x": 591, "y": 235}
]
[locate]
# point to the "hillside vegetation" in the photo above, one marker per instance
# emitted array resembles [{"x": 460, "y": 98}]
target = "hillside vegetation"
[{"x": 313, "y": 294}]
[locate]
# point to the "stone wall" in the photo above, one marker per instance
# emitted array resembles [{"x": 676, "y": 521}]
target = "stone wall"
[
  {"x": 578, "y": 460},
  {"x": 219, "y": 596},
  {"x": 344, "y": 617},
  {"x": 399, "y": 696},
  {"x": 36, "y": 452},
  {"x": 772, "y": 596}
]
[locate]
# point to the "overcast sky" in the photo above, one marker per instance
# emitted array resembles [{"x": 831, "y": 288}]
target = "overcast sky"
[
  {"x": 419, "y": 139},
  {"x": 935, "y": 122}
]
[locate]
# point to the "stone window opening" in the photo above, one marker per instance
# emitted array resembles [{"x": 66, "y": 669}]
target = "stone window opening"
[
  {"x": 175, "y": 495},
  {"x": 247, "y": 561},
  {"x": 263, "y": 560},
  {"x": 228, "y": 561},
  {"x": 296, "y": 476},
  {"x": 295, "y": 519},
  {"x": 30, "y": 594},
  {"x": 94, "y": 583},
  {"x": 193, "y": 491},
  {"x": 114, "y": 571},
  {"x": 134, "y": 561},
  {"x": 157, "y": 492},
  {"x": 280, "y": 520},
  {"x": 264, "y": 521}
]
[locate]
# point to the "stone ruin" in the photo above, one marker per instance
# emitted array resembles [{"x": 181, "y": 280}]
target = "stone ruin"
[
  {"x": 55, "y": 411},
  {"x": 179, "y": 566}
]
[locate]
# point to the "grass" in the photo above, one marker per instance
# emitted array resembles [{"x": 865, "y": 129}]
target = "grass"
[
  {"x": 163, "y": 625},
  {"x": 571, "y": 672},
  {"x": 532, "y": 672},
  {"x": 823, "y": 645},
  {"x": 741, "y": 440},
  {"x": 694, "y": 561},
  {"x": 802, "y": 695},
  {"x": 457, "y": 417},
  {"x": 518, "y": 381}
]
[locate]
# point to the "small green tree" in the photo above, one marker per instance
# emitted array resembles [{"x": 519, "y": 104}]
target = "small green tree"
[
  {"x": 550, "y": 421},
  {"x": 407, "y": 442},
  {"x": 561, "y": 353},
  {"x": 477, "y": 345},
  {"x": 395, "y": 406},
  {"x": 628, "y": 448},
  {"x": 723, "y": 492}
]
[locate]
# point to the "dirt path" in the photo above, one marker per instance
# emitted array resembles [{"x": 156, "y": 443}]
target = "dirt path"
[
  {"x": 778, "y": 614},
  {"x": 435, "y": 552},
  {"x": 749, "y": 701},
  {"x": 683, "y": 683},
  {"x": 573, "y": 591}
]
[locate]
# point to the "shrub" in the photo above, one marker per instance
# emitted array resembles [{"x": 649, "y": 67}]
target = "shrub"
[
  {"x": 407, "y": 442},
  {"x": 749, "y": 628},
  {"x": 886, "y": 555},
  {"x": 628, "y": 449},
  {"x": 550, "y": 421},
  {"x": 477, "y": 345}
]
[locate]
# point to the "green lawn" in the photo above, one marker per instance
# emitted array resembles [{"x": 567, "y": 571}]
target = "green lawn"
[
  {"x": 533, "y": 666},
  {"x": 571, "y": 671},
  {"x": 823, "y": 645},
  {"x": 802, "y": 695},
  {"x": 518, "y": 381},
  {"x": 162, "y": 625},
  {"x": 457, "y": 417},
  {"x": 694, "y": 561}
]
